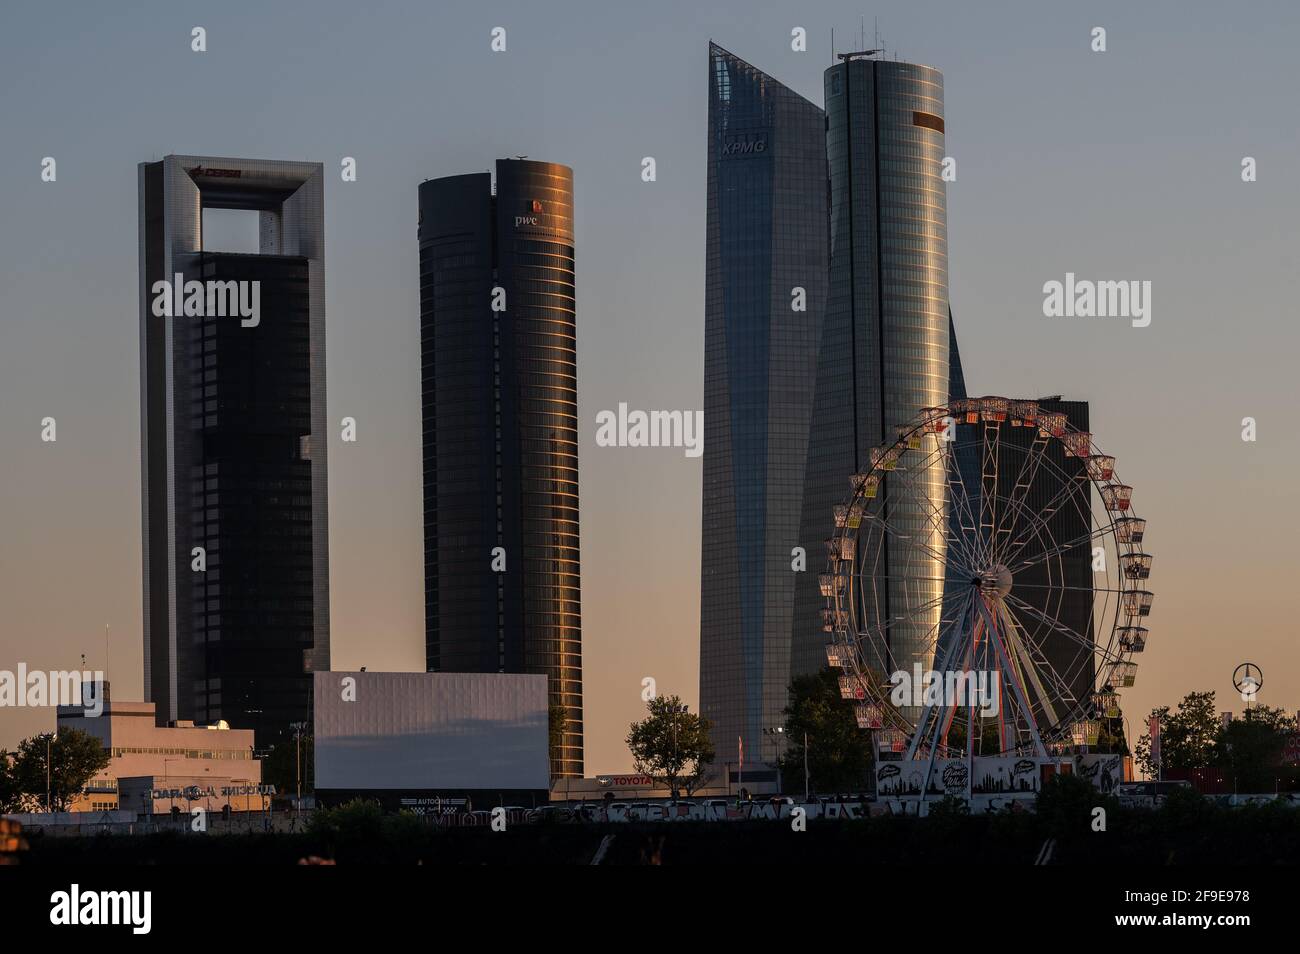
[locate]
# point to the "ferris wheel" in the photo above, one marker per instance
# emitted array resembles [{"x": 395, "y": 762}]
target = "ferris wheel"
[{"x": 991, "y": 551}]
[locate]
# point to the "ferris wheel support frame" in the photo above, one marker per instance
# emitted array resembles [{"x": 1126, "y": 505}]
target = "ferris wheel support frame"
[{"x": 990, "y": 631}]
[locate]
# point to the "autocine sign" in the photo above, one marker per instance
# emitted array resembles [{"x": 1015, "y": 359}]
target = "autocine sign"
[{"x": 208, "y": 791}]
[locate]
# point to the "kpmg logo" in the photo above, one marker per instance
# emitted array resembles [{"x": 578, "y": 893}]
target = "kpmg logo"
[
  {"x": 744, "y": 144},
  {"x": 217, "y": 173}
]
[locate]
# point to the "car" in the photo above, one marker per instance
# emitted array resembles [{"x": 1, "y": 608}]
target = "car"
[
  {"x": 1148, "y": 794},
  {"x": 552, "y": 813}
]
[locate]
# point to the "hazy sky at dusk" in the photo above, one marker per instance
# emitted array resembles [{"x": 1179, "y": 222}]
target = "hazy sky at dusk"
[{"x": 1118, "y": 165}]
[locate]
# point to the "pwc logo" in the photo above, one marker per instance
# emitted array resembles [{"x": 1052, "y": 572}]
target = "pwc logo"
[{"x": 536, "y": 208}]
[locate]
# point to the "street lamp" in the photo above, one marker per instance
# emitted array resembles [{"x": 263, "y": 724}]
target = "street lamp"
[
  {"x": 49, "y": 742},
  {"x": 297, "y": 734},
  {"x": 676, "y": 710},
  {"x": 167, "y": 780},
  {"x": 778, "y": 734}
]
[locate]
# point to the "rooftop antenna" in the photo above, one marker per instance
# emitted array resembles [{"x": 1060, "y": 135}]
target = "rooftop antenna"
[{"x": 852, "y": 56}]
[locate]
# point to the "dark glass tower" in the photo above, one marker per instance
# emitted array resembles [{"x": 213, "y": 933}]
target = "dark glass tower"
[
  {"x": 234, "y": 450},
  {"x": 766, "y": 238},
  {"x": 1060, "y": 589},
  {"x": 500, "y": 419},
  {"x": 884, "y": 348}
]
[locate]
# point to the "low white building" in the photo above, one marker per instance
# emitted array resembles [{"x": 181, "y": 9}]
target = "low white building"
[{"x": 139, "y": 747}]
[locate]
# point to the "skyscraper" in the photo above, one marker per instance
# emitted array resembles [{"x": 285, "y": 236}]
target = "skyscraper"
[
  {"x": 766, "y": 291},
  {"x": 884, "y": 347},
  {"x": 500, "y": 425},
  {"x": 232, "y": 359},
  {"x": 1056, "y": 513}
]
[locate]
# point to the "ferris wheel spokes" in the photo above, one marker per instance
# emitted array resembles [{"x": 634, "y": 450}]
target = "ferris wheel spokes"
[
  {"x": 1004, "y": 584},
  {"x": 1068, "y": 489}
]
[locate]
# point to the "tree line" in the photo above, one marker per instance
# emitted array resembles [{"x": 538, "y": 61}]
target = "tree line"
[
  {"x": 1250, "y": 750},
  {"x": 49, "y": 771}
]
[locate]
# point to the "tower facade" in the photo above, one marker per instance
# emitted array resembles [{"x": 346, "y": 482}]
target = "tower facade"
[
  {"x": 1056, "y": 516},
  {"x": 765, "y": 294},
  {"x": 500, "y": 432},
  {"x": 884, "y": 347},
  {"x": 234, "y": 509}
]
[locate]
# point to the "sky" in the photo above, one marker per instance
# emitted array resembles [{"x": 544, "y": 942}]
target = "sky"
[{"x": 1116, "y": 165}]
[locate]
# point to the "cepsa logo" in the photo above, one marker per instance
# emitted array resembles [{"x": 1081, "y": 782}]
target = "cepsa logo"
[{"x": 217, "y": 173}]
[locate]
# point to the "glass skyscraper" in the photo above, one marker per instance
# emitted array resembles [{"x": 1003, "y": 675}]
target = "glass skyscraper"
[
  {"x": 765, "y": 295},
  {"x": 500, "y": 429},
  {"x": 1057, "y": 512},
  {"x": 236, "y": 558},
  {"x": 884, "y": 348}
]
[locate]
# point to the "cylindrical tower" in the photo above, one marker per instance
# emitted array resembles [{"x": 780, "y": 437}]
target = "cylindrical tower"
[
  {"x": 889, "y": 295},
  {"x": 499, "y": 357}
]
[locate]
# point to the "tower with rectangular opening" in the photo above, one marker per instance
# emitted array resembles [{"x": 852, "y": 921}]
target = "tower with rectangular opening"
[{"x": 233, "y": 445}]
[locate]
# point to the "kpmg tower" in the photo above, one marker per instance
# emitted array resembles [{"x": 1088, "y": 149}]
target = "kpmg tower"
[
  {"x": 500, "y": 427},
  {"x": 884, "y": 348},
  {"x": 232, "y": 361},
  {"x": 765, "y": 294}
]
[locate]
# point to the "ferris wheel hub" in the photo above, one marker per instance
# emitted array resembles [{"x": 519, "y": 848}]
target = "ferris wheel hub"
[{"x": 995, "y": 581}]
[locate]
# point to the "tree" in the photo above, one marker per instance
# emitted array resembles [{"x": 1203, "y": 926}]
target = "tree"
[
  {"x": 671, "y": 745},
  {"x": 75, "y": 757},
  {"x": 1065, "y": 805},
  {"x": 1250, "y": 748},
  {"x": 839, "y": 753},
  {"x": 1111, "y": 739},
  {"x": 557, "y": 724},
  {"x": 11, "y": 796},
  {"x": 280, "y": 767},
  {"x": 1187, "y": 736}
]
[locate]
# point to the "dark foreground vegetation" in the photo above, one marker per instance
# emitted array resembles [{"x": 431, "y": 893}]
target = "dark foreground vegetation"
[{"x": 1188, "y": 829}]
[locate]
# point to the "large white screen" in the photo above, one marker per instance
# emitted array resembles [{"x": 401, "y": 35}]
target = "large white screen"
[{"x": 417, "y": 730}]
